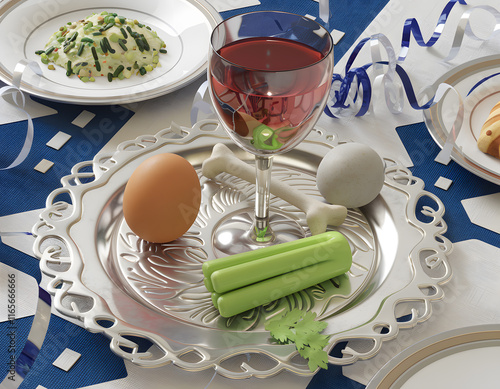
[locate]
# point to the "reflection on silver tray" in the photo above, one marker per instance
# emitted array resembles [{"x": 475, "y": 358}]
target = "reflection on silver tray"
[{"x": 124, "y": 287}]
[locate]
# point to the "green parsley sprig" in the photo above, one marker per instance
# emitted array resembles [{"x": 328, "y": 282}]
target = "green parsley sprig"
[{"x": 301, "y": 328}]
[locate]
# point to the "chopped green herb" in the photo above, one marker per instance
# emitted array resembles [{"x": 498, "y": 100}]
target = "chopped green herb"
[
  {"x": 108, "y": 45},
  {"x": 118, "y": 70},
  {"x": 69, "y": 47},
  {"x": 69, "y": 70},
  {"x": 140, "y": 45},
  {"x": 104, "y": 47},
  {"x": 145, "y": 43},
  {"x": 94, "y": 53},
  {"x": 107, "y": 26},
  {"x": 122, "y": 45},
  {"x": 301, "y": 328},
  {"x": 80, "y": 49},
  {"x": 73, "y": 36}
]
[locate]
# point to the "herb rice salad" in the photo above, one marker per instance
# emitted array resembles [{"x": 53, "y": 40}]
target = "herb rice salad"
[{"x": 104, "y": 44}]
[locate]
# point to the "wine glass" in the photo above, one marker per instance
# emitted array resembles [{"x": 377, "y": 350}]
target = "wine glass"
[{"x": 269, "y": 74}]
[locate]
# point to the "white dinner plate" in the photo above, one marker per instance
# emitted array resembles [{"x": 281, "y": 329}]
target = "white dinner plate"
[
  {"x": 461, "y": 358},
  {"x": 184, "y": 25},
  {"x": 478, "y": 101}
]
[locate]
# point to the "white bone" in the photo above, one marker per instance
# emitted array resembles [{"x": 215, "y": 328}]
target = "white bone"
[{"x": 318, "y": 215}]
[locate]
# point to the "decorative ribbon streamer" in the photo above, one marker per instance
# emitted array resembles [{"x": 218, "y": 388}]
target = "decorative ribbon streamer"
[
  {"x": 411, "y": 27},
  {"x": 464, "y": 28},
  {"x": 31, "y": 349},
  {"x": 351, "y": 95},
  {"x": 444, "y": 156},
  {"x": 482, "y": 81},
  {"x": 324, "y": 10},
  {"x": 11, "y": 95},
  {"x": 199, "y": 105},
  {"x": 9, "y": 233}
]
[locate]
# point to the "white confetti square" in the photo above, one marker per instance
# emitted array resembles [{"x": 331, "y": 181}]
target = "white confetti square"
[
  {"x": 40, "y": 387},
  {"x": 443, "y": 183},
  {"x": 67, "y": 359},
  {"x": 337, "y": 36},
  {"x": 310, "y": 17},
  {"x": 43, "y": 166},
  {"x": 58, "y": 140},
  {"x": 83, "y": 119}
]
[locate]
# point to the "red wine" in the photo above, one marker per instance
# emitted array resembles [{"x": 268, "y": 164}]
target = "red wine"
[
  {"x": 269, "y": 91},
  {"x": 270, "y": 54}
]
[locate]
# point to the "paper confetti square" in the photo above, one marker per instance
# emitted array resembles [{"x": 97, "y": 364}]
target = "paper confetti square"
[
  {"x": 67, "y": 359},
  {"x": 43, "y": 166},
  {"x": 443, "y": 183},
  {"x": 337, "y": 36},
  {"x": 83, "y": 119},
  {"x": 58, "y": 140}
]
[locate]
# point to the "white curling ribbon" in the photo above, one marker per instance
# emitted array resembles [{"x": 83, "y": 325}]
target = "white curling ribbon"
[
  {"x": 11, "y": 94},
  {"x": 393, "y": 93},
  {"x": 324, "y": 10},
  {"x": 200, "y": 105},
  {"x": 464, "y": 28},
  {"x": 444, "y": 156}
]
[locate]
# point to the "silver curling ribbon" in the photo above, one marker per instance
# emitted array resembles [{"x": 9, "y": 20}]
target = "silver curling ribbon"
[
  {"x": 13, "y": 95},
  {"x": 464, "y": 28}
]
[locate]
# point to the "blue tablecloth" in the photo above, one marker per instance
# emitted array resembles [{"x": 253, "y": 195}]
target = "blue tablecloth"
[{"x": 24, "y": 189}]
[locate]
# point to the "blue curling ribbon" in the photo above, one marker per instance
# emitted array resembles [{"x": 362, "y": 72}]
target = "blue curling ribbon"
[
  {"x": 344, "y": 87},
  {"x": 360, "y": 75},
  {"x": 481, "y": 82},
  {"x": 411, "y": 26},
  {"x": 364, "y": 81}
]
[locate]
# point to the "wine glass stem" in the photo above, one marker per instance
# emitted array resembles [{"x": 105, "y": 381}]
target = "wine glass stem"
[{"x": 261, "y": 231}]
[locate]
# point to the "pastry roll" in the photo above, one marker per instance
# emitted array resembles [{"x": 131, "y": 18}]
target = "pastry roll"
[{"x": 489, "y": 139}]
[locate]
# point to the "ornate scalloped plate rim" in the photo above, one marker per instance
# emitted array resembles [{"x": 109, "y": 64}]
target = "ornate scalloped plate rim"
[{"x": 385, "y": 315}]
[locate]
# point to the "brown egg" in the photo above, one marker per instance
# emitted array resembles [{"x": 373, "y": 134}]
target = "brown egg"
[{"x": 162, "y": 198}]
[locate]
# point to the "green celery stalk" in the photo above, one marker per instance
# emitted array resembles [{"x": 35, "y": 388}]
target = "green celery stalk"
[
  {"x": 263, "y": 292},
  {"x": 213, "y": 265},
  {"x": 243, "y": 274}
]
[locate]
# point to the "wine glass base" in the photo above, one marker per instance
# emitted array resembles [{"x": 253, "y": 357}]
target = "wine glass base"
[{"x": 233, "y": 234}]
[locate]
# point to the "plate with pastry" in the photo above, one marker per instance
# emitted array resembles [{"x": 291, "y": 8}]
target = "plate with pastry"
[
  {"x": 111, "y": 52},
  {"x": 477, "y": 145}
]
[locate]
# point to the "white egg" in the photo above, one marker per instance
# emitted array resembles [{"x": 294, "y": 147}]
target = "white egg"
[{"x": 351, "y": 174}]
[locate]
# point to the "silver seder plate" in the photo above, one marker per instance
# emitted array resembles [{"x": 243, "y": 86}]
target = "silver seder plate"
[{"x": 131, "y": 290}]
